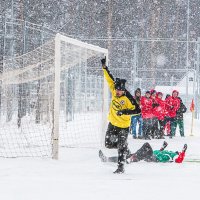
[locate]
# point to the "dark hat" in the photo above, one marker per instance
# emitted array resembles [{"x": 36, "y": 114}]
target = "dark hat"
[
  {"x": 138, "y": 90},
  {"x": 147, "y": 92},
  {"x": 175, "y": 91},
  {"x": 120, "y": 84},
  {"x": 159, "y": 93},
  {"x": 152, "y": 92},
  {"x": 167, "y": 95}
]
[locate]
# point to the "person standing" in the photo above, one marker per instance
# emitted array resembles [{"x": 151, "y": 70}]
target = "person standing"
[
  {"x": 147, "y": 115},
  {"x": 179, "y": 118},
  {"x": 161, "y": 113},
  {"x": 122, "y": 106},
  {"x": 172, "y": 105},
  {"x": 166, "y": 119},
  {"x": 155, "y": 130},
  {"x": 137, "y": 118}
]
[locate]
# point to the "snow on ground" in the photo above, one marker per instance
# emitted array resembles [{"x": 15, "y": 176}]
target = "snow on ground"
[{"x": 79, "y": 174}]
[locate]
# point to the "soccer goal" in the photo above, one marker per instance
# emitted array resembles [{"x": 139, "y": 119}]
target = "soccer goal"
[{"x": 51, "y": 97}]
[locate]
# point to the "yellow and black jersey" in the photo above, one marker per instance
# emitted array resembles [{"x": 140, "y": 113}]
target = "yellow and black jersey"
[{"x": 125, "y": 103}]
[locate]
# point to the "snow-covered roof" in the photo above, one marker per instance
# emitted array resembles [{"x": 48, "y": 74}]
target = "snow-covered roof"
[{"x": 169, "y": 89}]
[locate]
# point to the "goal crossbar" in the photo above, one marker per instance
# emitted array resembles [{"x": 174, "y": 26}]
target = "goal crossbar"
[{"x": 82, "y": 44}]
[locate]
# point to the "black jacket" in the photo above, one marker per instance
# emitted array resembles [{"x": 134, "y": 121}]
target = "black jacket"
[{"x": 180, "y": 111}]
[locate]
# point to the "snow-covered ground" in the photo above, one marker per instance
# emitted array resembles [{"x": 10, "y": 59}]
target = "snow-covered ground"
[{"x": 79, "y": 174}]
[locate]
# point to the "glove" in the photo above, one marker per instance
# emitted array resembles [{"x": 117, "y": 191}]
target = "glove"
[
  {"x": 103, "y": 62},
  {"x": 119, "y": 113}
]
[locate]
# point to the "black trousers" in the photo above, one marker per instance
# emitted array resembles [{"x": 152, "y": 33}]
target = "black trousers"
[
  {"x": 116, "y": 138},
  {"x": 155, "y": 130},
  {"x": 143, "y": 153},
  {"x": 150, "y": 127},
  {"x": 146, "y": 127},
  {"x": 162, "y": 127}
]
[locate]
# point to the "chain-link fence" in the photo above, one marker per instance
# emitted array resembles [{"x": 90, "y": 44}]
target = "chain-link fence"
[{"x": 165, "y": 63}]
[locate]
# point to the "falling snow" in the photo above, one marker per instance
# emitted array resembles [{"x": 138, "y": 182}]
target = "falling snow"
[{"x": 153, "y": 44}]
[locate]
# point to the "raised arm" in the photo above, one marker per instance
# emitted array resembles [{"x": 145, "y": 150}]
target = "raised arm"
[{"x": 108, "y": 76}]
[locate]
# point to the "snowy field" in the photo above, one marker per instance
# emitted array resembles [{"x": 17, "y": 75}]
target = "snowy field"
[{"x": 79, "y": 174}]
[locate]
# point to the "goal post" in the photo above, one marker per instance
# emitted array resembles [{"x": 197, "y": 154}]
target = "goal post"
[
  {"x": 54, "y": 96},
  {"x": 58, "y": 39}
]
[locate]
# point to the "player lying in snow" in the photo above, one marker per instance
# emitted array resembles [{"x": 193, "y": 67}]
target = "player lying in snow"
[{"x": 146, "y": 153}]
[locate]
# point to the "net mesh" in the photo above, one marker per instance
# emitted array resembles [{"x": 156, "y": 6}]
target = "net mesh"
[{"x": 27, "y": 100}]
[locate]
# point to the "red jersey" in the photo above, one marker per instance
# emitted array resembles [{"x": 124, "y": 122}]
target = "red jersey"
[{"x": 146, "y": 107}]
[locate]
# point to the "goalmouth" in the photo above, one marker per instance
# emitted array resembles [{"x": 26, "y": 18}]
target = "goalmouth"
[{"x": 53, "y": 96}]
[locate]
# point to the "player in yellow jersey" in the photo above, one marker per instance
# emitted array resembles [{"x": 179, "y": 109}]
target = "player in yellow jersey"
[{"x": 122, "y": 106}]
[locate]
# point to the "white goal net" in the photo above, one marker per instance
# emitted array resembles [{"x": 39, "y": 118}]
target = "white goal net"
[{"x": 51, "y": 97}]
